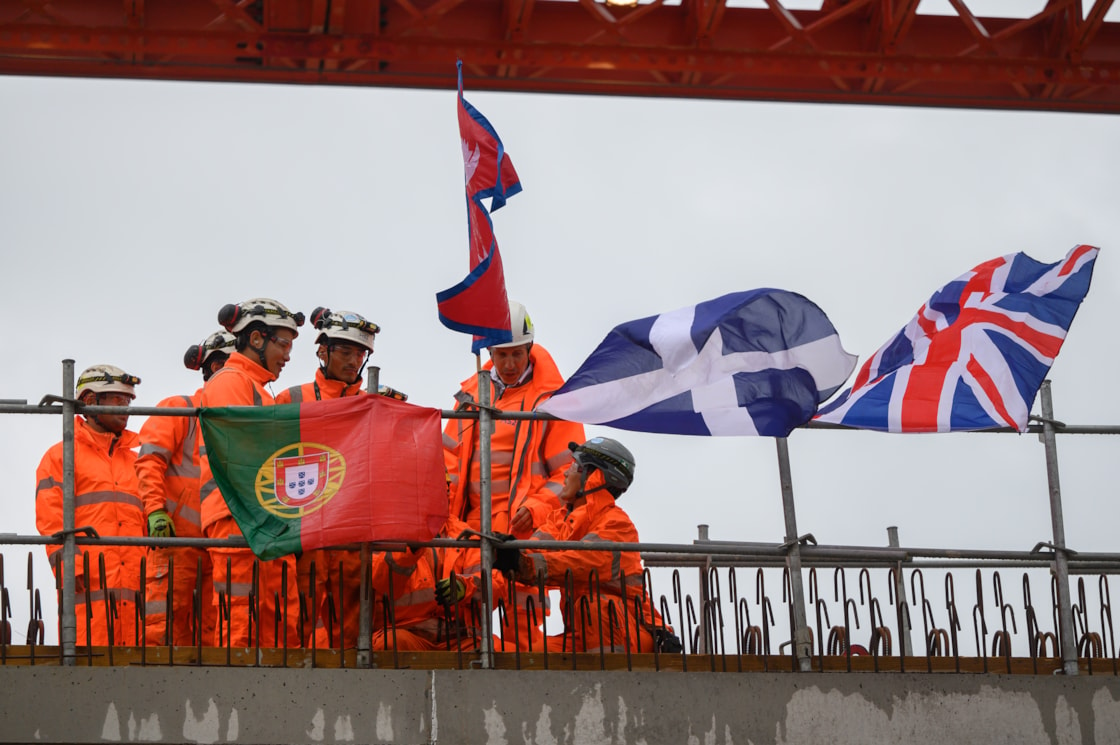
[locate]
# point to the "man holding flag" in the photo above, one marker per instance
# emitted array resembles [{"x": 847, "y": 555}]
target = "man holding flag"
[
  {"x": 265, "y": 330},
  {"x": 528, "y": 458}
]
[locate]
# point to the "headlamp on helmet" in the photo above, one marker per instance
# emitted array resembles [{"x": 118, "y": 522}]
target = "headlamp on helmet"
[
  {"x": 221, "y": 342},
  {"x": 235, "y": 318},
  {"x": 609, "y": 456},
  {"x": 106, "y": 379},
  {"x": 343, "y": 325}
]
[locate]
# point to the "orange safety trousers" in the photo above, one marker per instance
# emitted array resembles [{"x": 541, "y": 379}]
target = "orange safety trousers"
[
  {"x": 109, "y": 616},
  {"x": 594, "y": 625},
  {"x": 271, "y": 615},
  {"x": 336, "y": 597},
  {"x": 182, "y": 573}
]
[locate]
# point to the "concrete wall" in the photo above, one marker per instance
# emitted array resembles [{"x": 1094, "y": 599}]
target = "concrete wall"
[{"x": 207, "y": 705}]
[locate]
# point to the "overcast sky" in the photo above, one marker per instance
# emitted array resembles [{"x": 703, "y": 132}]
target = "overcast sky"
[{"x": 130, "y": 212}]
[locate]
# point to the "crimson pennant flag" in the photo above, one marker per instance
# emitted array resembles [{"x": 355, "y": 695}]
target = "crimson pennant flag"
[
  {"x": 328, "y": 473},
  {"x": 478, "y": 305},
  {"x": 975, "y": 355}
]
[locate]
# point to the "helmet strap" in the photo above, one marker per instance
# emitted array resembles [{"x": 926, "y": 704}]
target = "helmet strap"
[{"x": 325, "y": 364}]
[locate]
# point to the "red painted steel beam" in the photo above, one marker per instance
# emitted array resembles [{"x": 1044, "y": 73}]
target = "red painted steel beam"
[{"x": 1066, "y": 58}]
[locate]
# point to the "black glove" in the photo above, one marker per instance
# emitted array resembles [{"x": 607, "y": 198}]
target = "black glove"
[
  {"x": 503, "y": 537},
  {"x": 667, "y": 641},
  {"x": 448, "y": 592},
  {"x": 507, "y": 559}
]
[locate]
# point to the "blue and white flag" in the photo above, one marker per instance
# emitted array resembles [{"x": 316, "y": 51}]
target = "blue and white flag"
[{"x": 749, "y": 363}]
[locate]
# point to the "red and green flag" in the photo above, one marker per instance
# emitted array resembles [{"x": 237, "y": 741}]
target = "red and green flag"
[{"x": 328, "y": 473}]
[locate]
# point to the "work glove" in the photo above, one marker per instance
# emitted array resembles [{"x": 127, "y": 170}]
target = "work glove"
[
  {"x": 507, "y": 559},
  {"x": 449, "y": 592},
  {"x": 667, "y": 641},
  {"x": 160, "y": 525}
]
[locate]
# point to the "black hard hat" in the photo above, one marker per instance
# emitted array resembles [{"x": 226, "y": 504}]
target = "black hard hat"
[{"x": 610, "y": 457}]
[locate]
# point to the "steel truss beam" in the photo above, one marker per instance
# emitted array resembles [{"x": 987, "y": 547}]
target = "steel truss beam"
[{"x": 1065, "y": 58}]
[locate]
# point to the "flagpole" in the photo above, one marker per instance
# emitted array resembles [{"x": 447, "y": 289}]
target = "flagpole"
[
  {"x": 485, "y": 430},
  {"x": 365, "y": 597},
  {"x": 1061, "y": 557},
  {"x": 803, "y": 646},
  {"x": 68, "y": 632}
]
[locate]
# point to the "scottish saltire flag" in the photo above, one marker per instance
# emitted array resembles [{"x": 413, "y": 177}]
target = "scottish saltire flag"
[
  {"x": 749, "y": 363},
  {"x": 976, "y": 354},
  {"x": 478, "y": 304}
]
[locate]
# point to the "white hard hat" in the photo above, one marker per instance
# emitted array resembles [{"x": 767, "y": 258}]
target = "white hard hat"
[
  {"x": 519, "y": 324},
  {"x": 198, "y": 354},
  {"x": 106, "y": 379},
  {"x": 343, "y": 325},
  {"x": 269, "y": 312}
]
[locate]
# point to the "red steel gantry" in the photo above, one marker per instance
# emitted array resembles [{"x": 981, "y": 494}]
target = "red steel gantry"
[{"x": 1065, "y": 57}]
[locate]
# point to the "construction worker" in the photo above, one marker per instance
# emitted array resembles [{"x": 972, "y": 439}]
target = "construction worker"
[
  {"x": 527, "y": 458},
  {"x": 425, "y": 599},
  {"x": 345, "y": 342},
  {"x": 605, "y": 606},
  {"x": 106, "y": 499},
  {"x": 169, "y": 473},
  {"x": 269, "y": 613}
]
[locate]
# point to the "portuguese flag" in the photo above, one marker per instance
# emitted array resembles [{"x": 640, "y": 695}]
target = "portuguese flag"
[{"x": 328, "y": 473}]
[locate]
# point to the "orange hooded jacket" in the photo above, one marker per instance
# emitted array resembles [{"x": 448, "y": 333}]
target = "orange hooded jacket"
[
  {"x": 106, "y": 498},
  {"x": 598, "y": 519},
  {"x": 240, "y": 383},
  {"x": 534, "y": 454}
]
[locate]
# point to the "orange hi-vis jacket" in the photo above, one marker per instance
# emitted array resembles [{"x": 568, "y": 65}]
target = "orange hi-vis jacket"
[
  {"x": 240, "y": 383},
  {"x": 170, "y": 476},
  {"x": 527, "y": 458},
  {"x": 598, "y": 519},
  {"x": 106, "y": 498},
  {"x": 327, "y": 562},
  {"x": 413, "y": 575},
  {"x": 320, "y": 389},
  {"x": 169, "y": 467}
]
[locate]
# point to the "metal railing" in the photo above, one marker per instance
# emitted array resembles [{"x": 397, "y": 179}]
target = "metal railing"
[{"x": 1073, "y": 639}]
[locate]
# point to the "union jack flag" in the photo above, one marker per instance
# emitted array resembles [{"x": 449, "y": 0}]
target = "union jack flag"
[{"x": 975, "y": 355}]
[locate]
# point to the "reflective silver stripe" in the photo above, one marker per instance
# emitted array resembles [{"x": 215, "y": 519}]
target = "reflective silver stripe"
[
  {"x": 558, "y": 461},
  {"x": 47, "y": 483},
  {"x": 296, "y": 392},
  {"x": 449, "y": 442},
  {"x": 257, "y": 400},
  {"x": 496, "y": 487},
  {"x": 554, "y": 486},
  {"x": 454, "y": 479},
  {"x": 150, "y": 448},
  {"x": 540, "y": 564},
  {"x": 185, "y": 470},
  {"x": 423, "y": 595},
  {"x": 187, "y": 513},
  {"x": 537, "y": 469},
  {"x": 115, "y": 594},
  {"x": 202, "y": 450},
  {"x": 156, "y": 607},
  {"x": 190, "y": 468},
  {"x": 236, "y": 589},
  {"x": 616, "y": 556},
  {"x": 497, "y": 457},
  {"x": 209, "y": 488},
  {"x": 104, "y": 497}
]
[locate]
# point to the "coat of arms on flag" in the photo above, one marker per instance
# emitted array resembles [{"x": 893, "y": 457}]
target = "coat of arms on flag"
[
  {"x": 975, "y": 354},
  {"x": 301, "y": 478}
]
